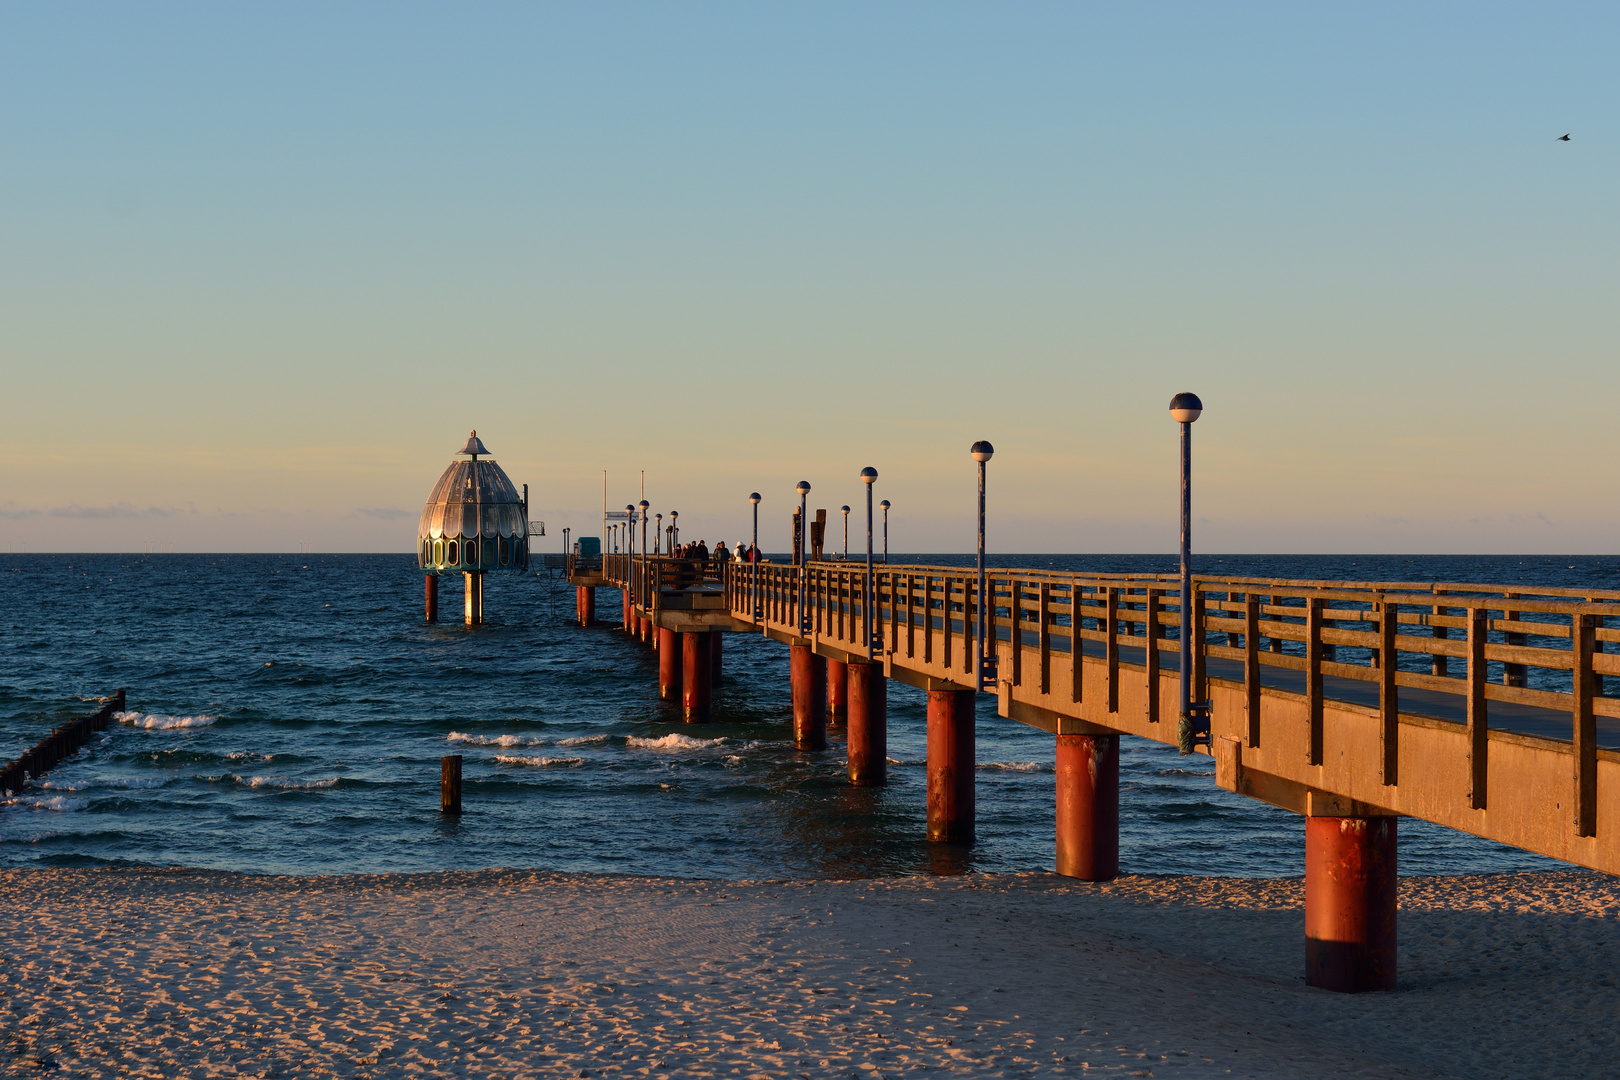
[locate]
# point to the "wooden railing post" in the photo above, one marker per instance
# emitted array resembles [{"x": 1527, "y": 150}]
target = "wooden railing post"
[
  {"x": 1045, "y": 636},
  {"x": 1251, "y": 666},
  {"x": 1276, "y": 643},
  {"x": 1438, "y": 663},
  {"x": 1150, "y": 617},
  {"x": 1512, "y": 674},
  {"x": 1389, "y": 712},
  {"x": 1015, "y": 632},
  {"x": 1313, "y": 675},
  {"x": 1111, "y": 622},
  {"x": 1478, "y": 726},
  {"x": 1199, "y": 654},
  {"x": 1077, "y": 650},
  {"x": 1583, "y": 638}
]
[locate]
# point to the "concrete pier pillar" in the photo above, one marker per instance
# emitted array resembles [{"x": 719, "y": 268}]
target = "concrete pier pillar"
[
  {"x": 432, "y": 596},
  {"x": 696, "y": 675},
  {"x": 587, "y": 605},
  {"x": 837, "y": 692},
  {"x": 950, "y": 765},
  {"x": 1350, "y": 903},
  {"x": 715, "y": 638},
  {"x": 643, "y": 630},
  {"x": 474, "y": 598},
  {"x": 669, "y": 664},
  {"x": 868, "y": 723},
  {"x": 809, "y": 676},
  {"x": 1088, "y": 806},
  {"x": 625, "y": 624}
]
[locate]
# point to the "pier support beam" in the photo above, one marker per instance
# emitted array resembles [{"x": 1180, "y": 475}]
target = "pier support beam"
[
  {"x": 1350, "y": 903},
  {"x": 586, "y": 600},
  {"x": 625, "y": 623},
  {"x": 868, "y": 723},
  {"x": 950, "y": 765},
  {"x": 837, "y": 692},
  {"x": 809, "y": 676},
  {"x": 696, "y": 676},
  {"x": 432, "y": 596},
  {"x": 669, "y": 664},
  {"x": 474, "y": 598},
  {"x": 1088, "y": 806}
]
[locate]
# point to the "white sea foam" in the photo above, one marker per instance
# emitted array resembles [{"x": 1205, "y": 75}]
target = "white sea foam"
[
  {"x": 496, "y": 740},
  {"x": 674, "y": 741},
  {"x": 50, "y": 802},
  {"x": 120, "y": 784},
  {"x": 538, "y": 762},
  {"x": 1015, "y": 766},
  {"x": 154, "y": 722},
  {"x": 584, "y": 740},
  {"x": 286, "y": 784}
]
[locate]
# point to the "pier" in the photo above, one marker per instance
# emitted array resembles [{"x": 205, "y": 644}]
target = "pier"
[{"x": 1473, "y": 706}]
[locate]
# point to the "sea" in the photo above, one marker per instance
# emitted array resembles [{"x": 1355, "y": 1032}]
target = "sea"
[{"x": 287, "y": 715}]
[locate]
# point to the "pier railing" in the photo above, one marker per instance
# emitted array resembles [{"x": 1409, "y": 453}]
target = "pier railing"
[{"x": 1479, "y": 707}]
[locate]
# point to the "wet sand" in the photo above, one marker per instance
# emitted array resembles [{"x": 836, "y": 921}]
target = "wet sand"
[{"x": 515, "y": 974}]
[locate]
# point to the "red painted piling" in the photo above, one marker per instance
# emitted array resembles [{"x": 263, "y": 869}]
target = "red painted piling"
[
  {"x": 950, "y": 765},
  {"x": 698, "y": 670},
  {"x": 1088, "y": 806},
  {"x": 1350, "y": 903},
  {"x": 669, "y": 664},
  {"x": 809, "y": 676},
  {"x": 625, "y": 624},
  {"x": 587, "y": 605},
  {"x": 837, "y": 692},
  {"x": 868, "y": 723},
  {"x": 431, "y": 588}
]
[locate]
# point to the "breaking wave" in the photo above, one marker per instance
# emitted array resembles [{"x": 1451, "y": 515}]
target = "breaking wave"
[
  {"x": 155, "y": 722},
  {"x": 538, "y": 762}
]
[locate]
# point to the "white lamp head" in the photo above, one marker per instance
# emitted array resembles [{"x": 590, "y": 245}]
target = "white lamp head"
[
  {"x": 869, "y": 474},
  {"x": 982, "y": 451}
]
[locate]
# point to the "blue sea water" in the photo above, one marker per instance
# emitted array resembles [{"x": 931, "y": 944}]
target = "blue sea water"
[{"x": 288, "y": 714}]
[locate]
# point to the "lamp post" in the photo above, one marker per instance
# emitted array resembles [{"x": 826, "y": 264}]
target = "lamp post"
[
  {"x": 885, "y": 505},
  {"x": 845, "y": 511},
  {"x": 804, "y": 496},
  {"x": 868, "y": 477},
  {"x": 1193, "y": 729},
  {"x": 644, "y": 505},
  {"x": 674, "y": 530},
  {"x": 658, "y": 536},
  {"x": 982, "y": 452},
  {"x": 753, "y": 556}
]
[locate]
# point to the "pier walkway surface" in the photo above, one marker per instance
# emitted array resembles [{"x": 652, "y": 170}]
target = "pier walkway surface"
[{"x": 1473, "y": 706}]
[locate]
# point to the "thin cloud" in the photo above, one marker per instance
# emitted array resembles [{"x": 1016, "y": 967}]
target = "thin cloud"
[
  {"x": 117, "y": 510},
  {"x": 12, "y": 510}
]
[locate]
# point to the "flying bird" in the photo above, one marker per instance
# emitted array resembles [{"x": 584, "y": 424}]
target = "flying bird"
[{"x": 1562, "y": 138}]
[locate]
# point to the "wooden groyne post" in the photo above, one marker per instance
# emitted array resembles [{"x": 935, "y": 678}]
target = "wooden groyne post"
[{"x": 61, "y": 743}]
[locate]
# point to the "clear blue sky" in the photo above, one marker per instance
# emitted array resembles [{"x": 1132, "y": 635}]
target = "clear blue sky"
[{"x": 263, "y": 266}]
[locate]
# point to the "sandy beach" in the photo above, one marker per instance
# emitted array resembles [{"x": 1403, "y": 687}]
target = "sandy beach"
[{"x": 512, "y": 974}]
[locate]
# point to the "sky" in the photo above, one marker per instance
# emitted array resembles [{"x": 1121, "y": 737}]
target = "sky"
[{"x": 263, "y": 266}]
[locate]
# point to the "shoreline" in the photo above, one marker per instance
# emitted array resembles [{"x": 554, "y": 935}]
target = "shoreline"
[{"x": 134, "y": 972}]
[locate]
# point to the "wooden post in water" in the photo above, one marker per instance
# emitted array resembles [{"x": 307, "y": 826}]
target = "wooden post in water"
[
  {"x": 808, "y": 673},
  {"x": 697, "y": 669},
  {"x": 669, "y": 664},
  {"x": 837, "y": 692},
  {"x": 951, "y": 754},
  {"x": 450, "y": 784},
  {"x": 868, "y": 724},
  {"x": 1088, "y": 806}
]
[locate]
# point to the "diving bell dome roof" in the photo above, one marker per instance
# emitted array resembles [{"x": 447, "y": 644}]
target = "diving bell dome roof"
[{"x": 474, "y": 498}]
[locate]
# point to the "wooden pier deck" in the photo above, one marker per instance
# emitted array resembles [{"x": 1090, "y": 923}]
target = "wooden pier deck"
[{"x": 1502, "y": 731}]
